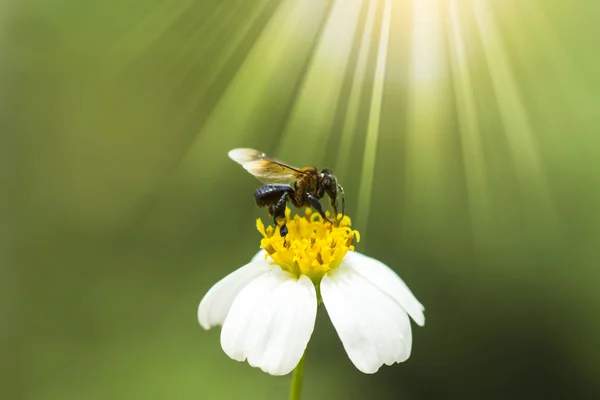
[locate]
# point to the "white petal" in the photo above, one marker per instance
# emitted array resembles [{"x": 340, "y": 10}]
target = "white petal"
[
  {"x": 388, "y": 282},
  {"x": 216, "y": 303},
  {"x": 373, "y": 327},
  {"x": 271, "y": 321},
  {"x": 260, "y": 255}
]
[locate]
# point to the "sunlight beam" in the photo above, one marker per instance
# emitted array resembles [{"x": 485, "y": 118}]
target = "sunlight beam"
[
  {"x": 368, "y": 170},
  {"x": 427, "y": 49},
  {"x": 350, "y": 120},
  {"x": 472, "y": 147},
  {"x": 426, "y": 120},
  {"x": 518, "y": 129},
  {"x": 313, "y": 115},
  {"x": 552, "y": 46},
  {"x": 273, "y": 58}
]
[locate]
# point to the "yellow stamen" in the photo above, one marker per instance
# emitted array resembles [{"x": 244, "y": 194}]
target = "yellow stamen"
[{"x": 312, "y": 246}]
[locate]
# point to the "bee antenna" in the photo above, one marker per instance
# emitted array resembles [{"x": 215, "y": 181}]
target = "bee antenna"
[{"x": 343, "y": 199}]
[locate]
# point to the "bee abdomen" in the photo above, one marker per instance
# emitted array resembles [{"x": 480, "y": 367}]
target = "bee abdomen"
[{"x": 269, "y": 194}]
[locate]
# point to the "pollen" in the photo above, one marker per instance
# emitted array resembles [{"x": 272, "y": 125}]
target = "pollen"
[{"x": 312, "y": 246}]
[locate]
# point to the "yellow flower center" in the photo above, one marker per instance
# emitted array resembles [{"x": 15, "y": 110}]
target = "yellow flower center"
[{"x": 311, "y": 247}]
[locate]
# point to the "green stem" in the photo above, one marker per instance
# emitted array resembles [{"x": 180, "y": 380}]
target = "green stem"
[{"x": 296, "y": 388}]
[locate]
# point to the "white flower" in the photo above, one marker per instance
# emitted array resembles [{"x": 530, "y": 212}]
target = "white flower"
[{"x": 268, "y": 307}]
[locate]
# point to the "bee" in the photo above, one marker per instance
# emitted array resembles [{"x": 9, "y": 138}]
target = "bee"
[{"x": 303, "y": 187}]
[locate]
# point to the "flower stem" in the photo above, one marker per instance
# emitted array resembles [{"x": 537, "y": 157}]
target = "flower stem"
[{"x": 296, "y": 388}]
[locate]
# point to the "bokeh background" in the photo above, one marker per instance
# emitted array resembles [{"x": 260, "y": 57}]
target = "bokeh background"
[{"x": 465, "y": 133}]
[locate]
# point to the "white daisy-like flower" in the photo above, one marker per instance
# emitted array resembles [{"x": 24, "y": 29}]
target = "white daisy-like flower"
[{"x": 268, "y": 307}]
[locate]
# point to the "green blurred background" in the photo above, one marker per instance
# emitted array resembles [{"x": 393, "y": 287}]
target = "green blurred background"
[{"x": 465, "y": 133}]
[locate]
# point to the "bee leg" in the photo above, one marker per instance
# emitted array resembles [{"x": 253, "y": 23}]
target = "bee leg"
[
  {"x": 316, "y": 204},
  {"x": 334, "y": 206},
  {"x": 279, "y": 213}
]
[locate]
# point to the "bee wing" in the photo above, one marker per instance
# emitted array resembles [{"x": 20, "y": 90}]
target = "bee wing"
[{"x": 267, "y": 169}]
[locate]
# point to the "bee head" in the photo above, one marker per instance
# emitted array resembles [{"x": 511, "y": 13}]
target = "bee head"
[{"x": 329, "y": 184}]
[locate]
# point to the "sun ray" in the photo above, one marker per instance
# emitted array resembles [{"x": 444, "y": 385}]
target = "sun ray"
[
  {"x": 273, "y": 58},
  {"x": 153, "y": 30},
  {"x": 426, "y": 119},
  {"x": 427, "y": 41},
  {"x": 199, "y": 99},
  {"x": 368, "y": 169},
  {"x": 236, "y": 25},
  {"x": 559, "y": 63},
  {"x": 216, "y": 74},
  {"x": 517, "y": 127},
  {"x": 354, "y": 103},
  {"x": 312, "y": 118},
  {"x": 469, "y": 130},
  {"x": 239, "y": 32},
  {"x": 221, "y": 22}
]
